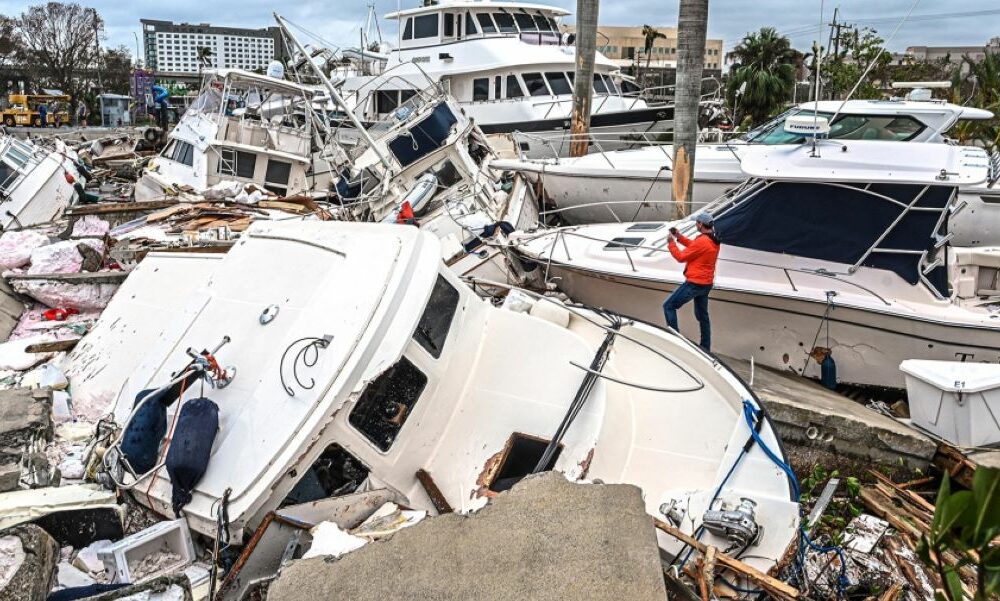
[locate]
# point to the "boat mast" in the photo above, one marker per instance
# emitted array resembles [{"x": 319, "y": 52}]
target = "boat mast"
[{"x": 333, "y": 93}]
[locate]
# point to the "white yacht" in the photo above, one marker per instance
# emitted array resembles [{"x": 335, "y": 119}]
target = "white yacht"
[
  {"x": 843, "y": 252},
  {"x": 36, "y": 183},
  {"x": 248, "y": 128},
  {"x": 636, "y": 184},
  {"x": 510, "y": 68},
  {"x": 365, "y": 362}
]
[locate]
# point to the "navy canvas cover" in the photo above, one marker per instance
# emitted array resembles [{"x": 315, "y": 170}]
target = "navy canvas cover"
[
  {"x": 839, "y": 223},
  {"x": 425, "y": 137}
]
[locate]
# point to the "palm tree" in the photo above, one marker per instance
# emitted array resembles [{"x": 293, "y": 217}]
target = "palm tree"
[
  {"x": 692, "y": 26},
  {"x": 763, "y": 73},
  {"x": 204, "y": 58},
  {"x": 651, "y": 35}
]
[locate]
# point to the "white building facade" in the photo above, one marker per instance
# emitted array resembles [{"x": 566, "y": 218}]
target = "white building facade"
[{"x": 172, "y": 49}]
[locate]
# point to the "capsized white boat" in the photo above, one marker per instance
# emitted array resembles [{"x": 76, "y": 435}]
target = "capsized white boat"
[
  {"x": 635, "y": 184},
  {"x": 842, "y": 251},
  {"x": 36, "y": 183},
  {"x": 360, "y": 359}
]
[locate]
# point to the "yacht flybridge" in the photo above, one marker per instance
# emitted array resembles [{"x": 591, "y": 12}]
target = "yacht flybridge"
[
  {"x": 635, "y": 184},
  {"x": 322, "y": 393},
  {"x": 839, "y": 250},
  {"x": 510, "y": 68}
]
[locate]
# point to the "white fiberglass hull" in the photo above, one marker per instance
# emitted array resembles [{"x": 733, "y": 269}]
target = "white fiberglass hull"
[{"x": 780, "y": 331}]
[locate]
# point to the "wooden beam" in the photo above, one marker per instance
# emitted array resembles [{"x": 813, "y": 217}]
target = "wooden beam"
[
  {"x": 432, "y": 490},
  {"x": 55, "y": 346},
  {"x": 93, "y": 277},
  {"x": 773, "y": 586},
  {"x": 120, "y": 207}
]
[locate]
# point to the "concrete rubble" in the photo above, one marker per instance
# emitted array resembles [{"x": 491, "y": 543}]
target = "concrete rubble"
[
  {"x": 29, "y": 565},
  {"x": 546, "y": 538}
]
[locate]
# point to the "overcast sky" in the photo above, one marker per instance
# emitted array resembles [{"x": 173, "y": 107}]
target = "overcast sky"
[{"x": 933, "y": 22}]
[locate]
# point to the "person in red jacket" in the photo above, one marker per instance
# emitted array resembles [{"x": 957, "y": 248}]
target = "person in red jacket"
[{"x": 700, "y": 255}]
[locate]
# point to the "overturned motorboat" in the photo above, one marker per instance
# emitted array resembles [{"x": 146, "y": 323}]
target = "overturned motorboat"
[
  {"x": 36, "y": 183},
  {"x": 365, "y": 363},
  {"x": 840, "y": 250}
]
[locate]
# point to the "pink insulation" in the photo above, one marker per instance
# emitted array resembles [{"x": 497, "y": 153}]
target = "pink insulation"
[
  {"x": 82, "y": 297},
  {"x": 91, "y": 225},
  {"x": 16, "y": 248},
  {"x": 61, "y": 257}
]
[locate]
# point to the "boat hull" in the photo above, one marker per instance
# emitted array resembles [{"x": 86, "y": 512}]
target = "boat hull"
[{"x": 780, "y": 332}]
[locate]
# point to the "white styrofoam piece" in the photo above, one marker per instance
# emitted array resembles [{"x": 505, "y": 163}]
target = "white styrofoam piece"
[
  {"x": 954, "y": 376},
  {"x": 172, "y": 536},
  {"x": 329, "y": 539},
  {"x": 955, "y": 401}
]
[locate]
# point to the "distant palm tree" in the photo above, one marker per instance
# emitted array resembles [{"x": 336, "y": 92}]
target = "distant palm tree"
[
  {"x": 763, "y": 73},
  {"x": 204, "y": 58},
  {"x": 651, "y": 35}
]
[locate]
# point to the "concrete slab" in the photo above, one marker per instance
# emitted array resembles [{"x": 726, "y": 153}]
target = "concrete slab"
[
  {"x": 807, "y": 414},
  {"x": 25, "y": 420},
  {"x": 545, "y": 539}
]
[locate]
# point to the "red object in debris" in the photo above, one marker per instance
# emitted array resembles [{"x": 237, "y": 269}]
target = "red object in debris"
[
  {"x": 69, "y": 178},
  {"x": 405, "y": 214},
  {"x": 59, "y": 314}
]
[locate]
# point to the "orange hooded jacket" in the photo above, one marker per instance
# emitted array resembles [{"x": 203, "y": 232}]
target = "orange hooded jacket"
[{"x": 700, "y": 255}]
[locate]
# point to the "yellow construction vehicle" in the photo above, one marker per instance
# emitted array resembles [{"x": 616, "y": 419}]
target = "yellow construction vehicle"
[{"x": 23, "y": 110}]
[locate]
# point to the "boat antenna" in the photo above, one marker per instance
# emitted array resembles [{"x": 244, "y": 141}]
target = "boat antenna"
[
  {"x": 333, "y": 93},
  {"x": 816, "y": 80},
  {"x": 874, "y": 60}
]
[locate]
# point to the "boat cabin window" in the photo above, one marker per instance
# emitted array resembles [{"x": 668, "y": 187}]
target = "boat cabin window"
[
  {"x": 525, "y": 22},
  {"x": 425, "y": 26},
  {"x": 599, "y": 86},
  {"x": 181, "y": 152},
  {"x": 629, "y": 87},
  {"x": 480, "y": 89},
  {"x": 470, "y": 25},
  {"x": 334, "y": 473},
  {"x": 276, "y": 178},
  {"x": 236, "y": 163},
  {"x": 18, "y": 154},
  {"x": 449, "y": 25},
  {"x": 542, "y": 23},
  {"x": 386, "y": 101},
  {"x": 7, "y": 175},
  {"x": 408, "y": 30},
  {"x": 558, "y": 83},
  {"x": 535, "y": 84},
  {"x": 486, "y": 22},
  {"x": 505, "y": 22},
  {"x": 386, "y": 403},
  {"x": 611, "y": 84},
  {"x": 519, "y": 458},
  {"x": 446, "y": 173},
  {"x": 432, "y": 331},
  {"x": 896, "y": 128},
  {"x": 514, "y": 87},
  {"x": 623, "y": 243}
]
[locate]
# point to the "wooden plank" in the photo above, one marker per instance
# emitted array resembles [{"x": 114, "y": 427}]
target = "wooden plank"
[
  {"x": 97, "y": 277},
  {"x": 56, "y": 346},
  {"x": 773, "y": 586},
  {"x": 432, "y": 490},
  {"x": 120, "y": 207}
]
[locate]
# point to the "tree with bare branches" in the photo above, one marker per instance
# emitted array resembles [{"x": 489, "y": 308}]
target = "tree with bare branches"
[{"x": 58, "y": 42}]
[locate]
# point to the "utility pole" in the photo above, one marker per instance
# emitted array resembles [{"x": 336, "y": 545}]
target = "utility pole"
[
  {"x": 692, "y": 28},
  {"x": 583, "y": 83}
]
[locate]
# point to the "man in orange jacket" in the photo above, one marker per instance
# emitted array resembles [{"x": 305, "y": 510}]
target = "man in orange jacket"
[{"x": 700, "y": 255}]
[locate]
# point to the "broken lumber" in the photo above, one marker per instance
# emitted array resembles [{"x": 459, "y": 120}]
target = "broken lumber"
[
  {"x": 55, "y": 346},
  {"x": 775, "y": 587},
  {"x": 432, "y": 490}
]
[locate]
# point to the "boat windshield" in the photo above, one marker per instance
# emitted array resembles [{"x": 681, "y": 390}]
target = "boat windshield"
[{"x": 894, "y": 128}]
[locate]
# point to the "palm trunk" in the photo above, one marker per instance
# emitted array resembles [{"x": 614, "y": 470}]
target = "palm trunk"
[
  {"x": 586, "y": 49},
  {"x": 692, "y": 25}
]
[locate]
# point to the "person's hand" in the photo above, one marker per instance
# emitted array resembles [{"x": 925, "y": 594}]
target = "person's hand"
[
  {"x": 670, "y": 237},
  {"x": 673, "y": 231}
]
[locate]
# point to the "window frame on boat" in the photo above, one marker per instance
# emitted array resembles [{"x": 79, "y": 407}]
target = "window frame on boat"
[
  {"x": 278, "y": 187},
  {"x": 544, "y": 90},
  {"x": 378, "y": 394},
  {"x": 480, "y": 89},
  {"x": 236, "y": 161}
]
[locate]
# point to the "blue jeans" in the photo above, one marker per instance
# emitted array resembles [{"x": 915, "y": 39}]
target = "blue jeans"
[{"x": 680, "y": 297}]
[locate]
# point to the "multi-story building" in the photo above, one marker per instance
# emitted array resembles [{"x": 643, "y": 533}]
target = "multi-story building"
[
  {"x": 172, "y": 50},
  {"x": 627, "y": 47},
  {"x": 953, "y": 54}
]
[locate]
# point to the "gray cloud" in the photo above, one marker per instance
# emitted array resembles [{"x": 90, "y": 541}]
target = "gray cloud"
[{"x": 338, "y": 21}]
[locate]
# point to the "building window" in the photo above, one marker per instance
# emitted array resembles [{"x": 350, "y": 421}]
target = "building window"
[
  {"x": 386, "y": 403},
  {"x": 236, "y": 163},
  {"x": 480, "y": 89}
]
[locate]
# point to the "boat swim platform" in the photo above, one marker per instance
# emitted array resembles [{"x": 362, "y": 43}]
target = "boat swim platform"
[{"x": 809, "y": 417}]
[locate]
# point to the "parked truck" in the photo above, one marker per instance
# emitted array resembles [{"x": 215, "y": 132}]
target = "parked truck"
[{"x": 23, "y": 110}]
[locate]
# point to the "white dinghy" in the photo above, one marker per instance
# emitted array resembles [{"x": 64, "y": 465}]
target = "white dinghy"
[
  {"x": 844, "y": 250},
  {"x": 362, "y": 362}
]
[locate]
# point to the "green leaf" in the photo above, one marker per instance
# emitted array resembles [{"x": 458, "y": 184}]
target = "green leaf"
[
  {"x": 986, "y": 520},
  {"x": 954, "y": 584},
  {"x": 944, "y": 493}
]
